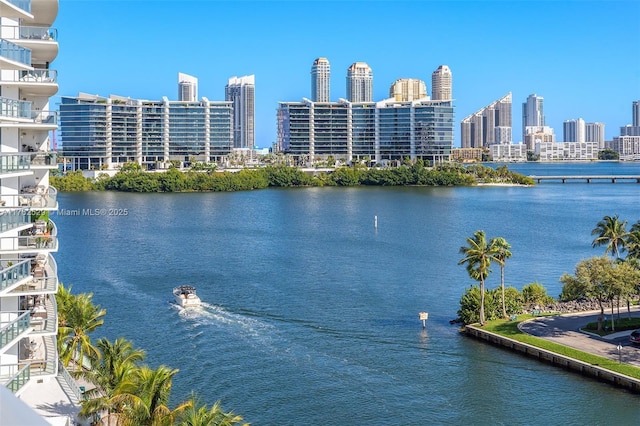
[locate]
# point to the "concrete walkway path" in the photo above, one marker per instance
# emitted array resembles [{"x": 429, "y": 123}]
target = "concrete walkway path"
[{"x": 564, "y": 329}]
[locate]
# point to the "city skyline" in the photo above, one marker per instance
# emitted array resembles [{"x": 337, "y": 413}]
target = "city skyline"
[{"x": 567, "y": 83}]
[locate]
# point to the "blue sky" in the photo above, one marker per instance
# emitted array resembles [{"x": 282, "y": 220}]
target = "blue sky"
[{"x": 583, "y": 57}]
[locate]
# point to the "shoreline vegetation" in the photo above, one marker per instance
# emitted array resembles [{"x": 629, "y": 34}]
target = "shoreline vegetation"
[{"x": 131, "y": 178}]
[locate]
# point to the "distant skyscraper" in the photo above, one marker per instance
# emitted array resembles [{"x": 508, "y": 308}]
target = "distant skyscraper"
[
  {"x": 441, "y": 84},
  {"x": 532, "y": 113},
  {"x": 241, "y": 91},
  {"x": 187, "y": 88},
  {"x": 489, "y": 126},
  {"x": 635, "y": 117},
  {"x": 359, "y": 83},
  {"x": 574, "y": 131},
  {"x": 408, "y": 89},
  {"x": 594, "y": 132},
  {"x": 320, "y": 80}
]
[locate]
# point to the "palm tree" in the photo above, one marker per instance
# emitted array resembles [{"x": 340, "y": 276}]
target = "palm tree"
[
  {"x": 632, "y": 241},
  {"x": 149, "y": 406},
  {"x": 81, "y": 318},
  {"x": 197, "y": 414},
  {"x": 478, "y": 256},
  {"x": 503, "y": 253},
  {"x": 113, "y": 376},
  {"x": 611, "y": 232}
]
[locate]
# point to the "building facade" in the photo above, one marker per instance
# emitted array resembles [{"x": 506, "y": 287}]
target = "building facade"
[
  {"x": 99, "y": 132},
  {"x": 359, "y": 83},
  {"x": 574, "y": 131},
  {"x": 321, "y": 80},
  {"x": 561, "y": 151},
  {"x": 408, "y": 89},
  {"x": 508, "y": 152},
  {"x": 187, "y": 88},
  {"x": 29, "y": 361},
  {"x": 594, "y": 132},
  {"x": 532, "y": 113},
  {"x": 628, "y": 143},
  {"x": 538, "y": 134},
  {"x": 489, "y": 125},
  {"x": 240, "y": 91},
  {"x": 382, "y": 131},
  {"x": 442, "y": 84}
]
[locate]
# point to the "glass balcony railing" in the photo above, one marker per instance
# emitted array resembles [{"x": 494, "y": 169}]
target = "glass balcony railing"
[
  {"x": 45, "y": 199},
  {"x": 22, "y": 4},
  {"x": 14, "y": 108},
  {"x": 44, "y": 159},
  {"x": 10, "y": 163},
  {"x": 20, "y": 379},
  {"x": 14, "y": 273},
  {"x": 38, "y": 76},
  {"x": 12, "y": 329},
  {"x": 13, "y": 219},
  {"x": 13, "y": 52},
  {"x": 44, "y": 117},
  {"x": 28, "y": 243},
  {"x": 38, "y": 33}
]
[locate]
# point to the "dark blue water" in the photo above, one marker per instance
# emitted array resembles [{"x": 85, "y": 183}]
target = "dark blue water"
[{"x": 311, "y": 314}]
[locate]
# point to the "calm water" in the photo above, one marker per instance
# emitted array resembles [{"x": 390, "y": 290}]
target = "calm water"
[{"x": 311, "y": 314}]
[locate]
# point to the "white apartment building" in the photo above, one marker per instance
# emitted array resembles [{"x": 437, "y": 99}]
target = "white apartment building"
[
  {"x": 241, "y": 92},
  {"x": 29, "y": 363},
  {"x": 321, "y": 80},
  {"x": 359, "y": 83},
  {"x": 508, "y": 152},
  {"x": 560, "y": 151},
  {"x": 442, "y": 84},
  {"x": 187, "y": 88}
]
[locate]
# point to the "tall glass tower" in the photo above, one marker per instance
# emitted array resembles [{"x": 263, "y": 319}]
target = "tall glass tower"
[
  {"x": 532, "y": 113},
  {"x": 320, "y": 80}
]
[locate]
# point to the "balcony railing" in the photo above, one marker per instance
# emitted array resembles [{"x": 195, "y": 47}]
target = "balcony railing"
[
  {"x": 38, "y": 33},
  {"x": 38, "y": 76},
  {"x": 49, "y": 158},
  {"x": 19, "y": 379},
  {"x": 47, "y": 198},
  {"x": 14, "y": 162},
  {"x": 22, "y": 4},
  {"x": 12, "y": 329},
  {"x": 13, "y": 52},
  {"x": 14, "y": 108},
  {"x": 44, "y": 117},
  {"x": 13, "y": 219},
  {"x": 15, "y": 273},
  {"x": 28, "y": 244}
]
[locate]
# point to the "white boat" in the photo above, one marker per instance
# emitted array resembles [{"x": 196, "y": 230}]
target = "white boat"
[{"x": 186, "y": 296}]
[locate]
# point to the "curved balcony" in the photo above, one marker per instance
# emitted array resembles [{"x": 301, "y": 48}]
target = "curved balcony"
[
  {"x": 36, "y": 198},
  {"x": 13, "y": 327},
  {"x": 41, "y": 41},
  {"x": 16, "y": 9},
  {"x": 31, "y": 241},
  {"x": 38, "y": 277},
  {"x": 11, "y": 220},
  {"x": 44, "y": 160},
  {"x": 35, "y": 82},
  {"x": 14, "y": 57},
  {"x": 44, "y": 11},
  {"x": 15, "y": 274}
]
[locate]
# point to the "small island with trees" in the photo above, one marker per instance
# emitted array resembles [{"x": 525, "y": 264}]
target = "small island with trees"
[{"x": 132, "y": 178}]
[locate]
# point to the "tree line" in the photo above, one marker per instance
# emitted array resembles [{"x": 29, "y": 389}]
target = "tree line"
[
  {"x": 610, "y": 279},
  {"x": 127, "y": 392},
  {"x": 131, "y": 178}
]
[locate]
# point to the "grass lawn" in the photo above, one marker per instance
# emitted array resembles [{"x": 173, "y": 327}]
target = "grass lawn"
[
  {"x": 510, "y": 329},
  {"x": 621, "y": 324}
]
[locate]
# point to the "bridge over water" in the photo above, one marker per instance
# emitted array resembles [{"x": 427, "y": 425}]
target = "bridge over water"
[{"x": 589, "y": 178}]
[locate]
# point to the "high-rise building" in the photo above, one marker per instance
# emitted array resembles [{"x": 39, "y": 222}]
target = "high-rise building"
[
  {"x": 382, "y": 132},
  {"x": 635, "y": 113},
  {"x": 489, "y": 125},
  {"x": 628, "y": 143},
  {"x": 532, "y": 113},
  {"x": 102, "y": 132},
  {"x": 321, "y": 80},
  {"x": 29, "y": 362},
  {"x": 594, "y": 132},
  {"x": 187, "y": 88},
  {"x": 574, "y": 131},
  {"x": 537, "y": 135},
  {"x": 359, "y": 83},
  {"x": 441, "y": 84},
  {"x": 241, "y": 92},
  {"x": 408, "y": 89}
]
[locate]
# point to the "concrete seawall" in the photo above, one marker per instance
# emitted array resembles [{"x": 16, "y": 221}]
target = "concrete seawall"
[{"x": 568, "y": 363}]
